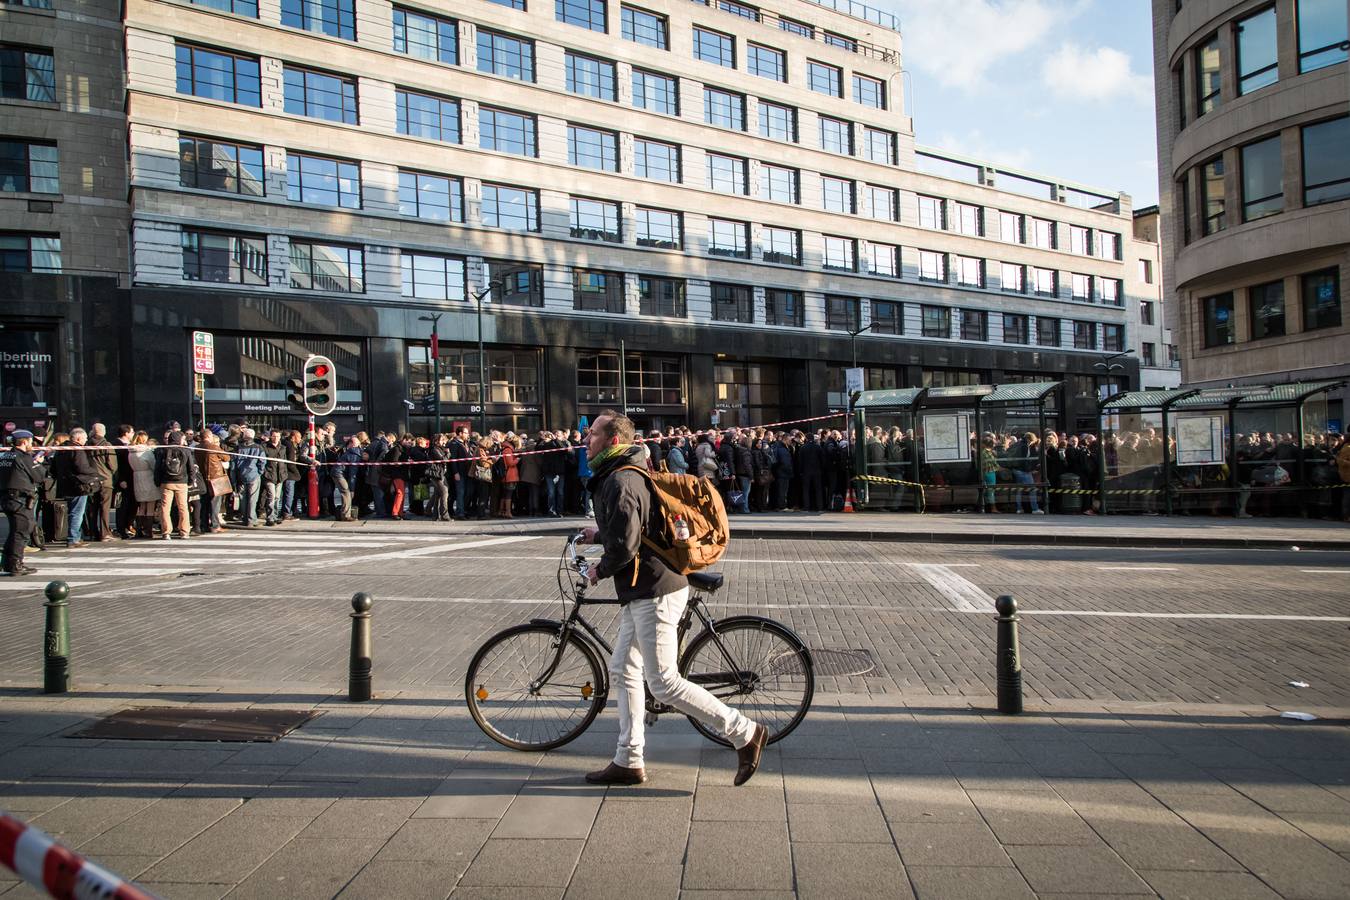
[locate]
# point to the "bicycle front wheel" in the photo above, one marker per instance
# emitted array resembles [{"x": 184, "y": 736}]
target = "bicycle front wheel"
[
  {"x": 519, "y": 703},
  {"x": 756, "y": 665}
]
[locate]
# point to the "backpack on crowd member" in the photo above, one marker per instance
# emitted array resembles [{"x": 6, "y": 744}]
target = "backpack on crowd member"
[{"x": 693, "y": 528}]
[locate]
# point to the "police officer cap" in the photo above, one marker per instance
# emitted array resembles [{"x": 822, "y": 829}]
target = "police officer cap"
[{"x": 20, "y": 434}]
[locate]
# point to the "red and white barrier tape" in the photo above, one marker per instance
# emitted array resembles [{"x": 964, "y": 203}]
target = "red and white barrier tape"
[{"x": 60, "y": 872}]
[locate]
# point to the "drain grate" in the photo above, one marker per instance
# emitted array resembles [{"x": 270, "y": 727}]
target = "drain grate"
[
  {"x": 843, "y": 662},
  {"x": 186, "y": 723}
]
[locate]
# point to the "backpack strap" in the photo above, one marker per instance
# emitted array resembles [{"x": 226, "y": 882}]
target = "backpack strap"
[{"x": 647, "y": 542}]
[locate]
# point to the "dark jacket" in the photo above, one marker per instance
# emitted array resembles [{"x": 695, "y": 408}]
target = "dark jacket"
[
  {"x": 624, "y": 511},
  {"x": 782, "y": 461},
  {"x": 20, "y": 475},
  {"x": 726, "y": 458},
  {"x": 459, "y": 460},
  {"x": 274, "y": 469},
  {"x": 105, "y": 460},
  {"x": 1055, "y": 465},
  {"x": 743, "y": 461},
  {"x": 163, "y": 475},
  {"x": 436, "y": 469},
  {"x": 810, "y": 460},
  {"x": 74, "y": 468},
  {"x": 554, "y": 463},
  {"x": 249, "y": 464}
]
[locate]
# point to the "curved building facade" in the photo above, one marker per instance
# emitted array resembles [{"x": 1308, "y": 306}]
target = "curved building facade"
[{"x": 1253, "y": 102}]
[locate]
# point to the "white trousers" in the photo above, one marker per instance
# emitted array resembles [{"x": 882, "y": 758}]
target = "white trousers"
[{"x": 647, "y": 644}]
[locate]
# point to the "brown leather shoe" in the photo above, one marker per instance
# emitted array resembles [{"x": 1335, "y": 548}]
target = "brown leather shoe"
[
  {"x": 748, "y": 756},
  {"x": 617, "y": 774}
]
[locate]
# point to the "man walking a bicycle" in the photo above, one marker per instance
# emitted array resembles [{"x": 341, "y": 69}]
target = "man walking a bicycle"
[{"x": 654, "y": 599}]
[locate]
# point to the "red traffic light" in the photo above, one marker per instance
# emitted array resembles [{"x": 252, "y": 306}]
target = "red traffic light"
[{"x": 320, "y": 370}]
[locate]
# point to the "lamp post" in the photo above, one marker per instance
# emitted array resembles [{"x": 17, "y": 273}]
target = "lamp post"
[
  {"x": 482, "y": 380},
  {"x": 853, "y": 340},
  {"x": 435, "y": 319},
  {"x": 1108, "y": 364}
]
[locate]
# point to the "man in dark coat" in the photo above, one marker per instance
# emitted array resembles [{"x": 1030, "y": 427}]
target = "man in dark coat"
[
  {"x": 810, "y": 468},
  {"x": 76, "y": 481},
  {"x": 20, "y": 477}
]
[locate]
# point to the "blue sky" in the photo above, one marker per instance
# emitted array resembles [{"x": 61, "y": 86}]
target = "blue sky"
[{"x": 1059, "y": 87}]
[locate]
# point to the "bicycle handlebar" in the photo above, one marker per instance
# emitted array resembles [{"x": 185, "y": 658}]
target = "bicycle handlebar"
[{"x": 579, "y": 561}]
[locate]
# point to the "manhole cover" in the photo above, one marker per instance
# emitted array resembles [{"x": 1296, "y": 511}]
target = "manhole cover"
[
  {"x": 186, "y": 723},
  {"x": 843, "y": 662}
]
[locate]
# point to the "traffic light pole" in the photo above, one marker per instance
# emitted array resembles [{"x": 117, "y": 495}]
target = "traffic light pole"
[{"x": 313, "y": 479}]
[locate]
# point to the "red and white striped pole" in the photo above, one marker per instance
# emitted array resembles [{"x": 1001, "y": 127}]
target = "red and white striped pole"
[{"x": 49, "y": 867}]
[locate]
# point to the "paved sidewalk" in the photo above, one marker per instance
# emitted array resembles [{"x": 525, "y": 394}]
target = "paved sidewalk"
[{"x": 872, "y": 797}]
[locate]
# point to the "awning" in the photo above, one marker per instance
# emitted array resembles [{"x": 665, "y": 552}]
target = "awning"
[
  {"x": 1030, "y": 391},
  {"x": 902, "y": 397}
]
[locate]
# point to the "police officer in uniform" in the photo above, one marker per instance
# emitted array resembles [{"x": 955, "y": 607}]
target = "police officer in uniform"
[{"x": 20, "y": 478}]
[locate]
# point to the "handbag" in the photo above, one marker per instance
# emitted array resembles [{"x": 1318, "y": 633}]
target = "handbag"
[
  {"x": 483, "y": 472},
  {"x": 421, "y": 491},
  {"x": 220, "y": 486}
]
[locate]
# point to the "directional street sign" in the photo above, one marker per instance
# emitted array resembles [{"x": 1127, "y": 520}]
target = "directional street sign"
[{"x": 203, "y": 353}]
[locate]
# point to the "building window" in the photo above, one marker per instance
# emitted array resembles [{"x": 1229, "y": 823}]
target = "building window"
[
  {"x": 505, "y": 131},
  {"x": 656, "y": 93},
  {"x": 974, "y": 325},
  {"x": 715, "y": 47},
  {"x": 1321, "y": 34},
  {"x": 727, "y": 238},
  {"x": 30, "y": 253},
  {"x": 882, "y": 259},
  {"x": 660, "y": 228},
  {"x": 515, "y": 284},
  {"x": 647, "y": 28},
  {"x": 1148, "y": 354},
  {"x": 1108, "y": 245},
  {"x": 1218, "y": 313},
  {"x": 212, "y": 165},
  {"x": 501, "y": 54},
  {"x": 1012, "y": 278},
  {"x": 749, "y": 13},
  {"x": 869, "y": 91},
  {"x": 425, "y": 36},
  {"x": 1113, "y": 337},
  {"x": 842, "y": 313},
  {"x": 1257, "y": 55},
  {"x": 1326, "y": 161},
  {"x": 782, "y": 245},
  {"x": 784, "y": 308},
  {"x": 932, "y": 213},
  {"x": 1207, "y": 92},
  {"x": 327, "y": 182},
  {"x": 656, "y": 160},
  {"x": 512, "y": 208},
  {"x": 732, "y": 303},
  {"x": 29, "y": 168},
  {"x": 30, "y": 74},
  {"x": 932, "y": 266},
  {"x": 1080, "y": 240},
  {"x": 597, "y": 220},
  {"x": 1147, "y": 312},
  {"x": 969, "y": 271},
  {"x": 223, "y": 258},
  {"x": 1110, "y": 291},
  {"x": 792, "y": 26},
  {"x": 335, "y": 18},
  {"x": 1016, "y": 329},
  {"x": 327, "y": 267},
  {"x": 969, "y": 219},
  {"x": 650, "y": 380},
  {"x": 1262, "y": 179},
  {"x": 778, "y": 183},
  {"x": 727, "y": 174},
  {"x": 238, "y": 7},
  {"x": 583, "y": 13},
  {"x": 1047, "y": 331},
  {"x": 777, "y": 122},
  {"x": 422, "y": 115},
  {"x": 1046, "y": 282},
  {"x": 724, "y": 108},
  {"x": 879, "y": 145},
  {"x": 510, "y": 376},
  {"x": 200, "y": 72},
  {"x": 1010, "y": 228},
  {"x": 888, "y": 317},
  {"x": 592, "y": 148},
  {"x": 428, "y": 276},
  {"x": 661, "y": 297},
  {"x": 1212, "y": 196},
  {"x": 1080, "y": 286},
  {"x": 824, "y": 78},
  {"x": 1085, "y": 335},
  {"x": 435, "y": 197},
  {"x": 591, "y": 77},
  {"x": 837, "y": 194},
  {"x": 766, "y": 62},
  {"x": 1321, "y": 299},
  {"x": 510, "y": 4},
  {"x": 937, "y": 321},
  {"x": 1265, "y": 307},
  {"x": 319, "y": 95},
  {"x": 1146, "y": 271},
  {"x": 1183, "y": 196},
  {"x": 836, "y": 136},
  {"x": 594, "y": 291},
  {"x": 840, "y": 253},
  {"x": 1042, "y": 233}
]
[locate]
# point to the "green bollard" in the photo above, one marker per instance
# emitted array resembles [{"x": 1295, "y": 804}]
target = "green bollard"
[{"x": 56, "y": 645}]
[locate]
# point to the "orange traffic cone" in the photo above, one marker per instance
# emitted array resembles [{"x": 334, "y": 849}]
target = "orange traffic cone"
[{"x": 848, "y": 501}]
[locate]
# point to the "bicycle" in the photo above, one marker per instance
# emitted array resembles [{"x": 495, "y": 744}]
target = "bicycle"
[{"x": 539, "y": 685}]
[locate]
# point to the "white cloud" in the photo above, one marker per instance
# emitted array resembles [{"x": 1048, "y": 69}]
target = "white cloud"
[
  {"x": 975, "y": 144},
  {"x": 956, "y": 42},
  {"x": 1074, "y": 72}
]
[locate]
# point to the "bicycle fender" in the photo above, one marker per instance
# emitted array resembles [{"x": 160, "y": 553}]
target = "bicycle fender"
[
  {"x": 551, "y": 623},
  {"x": 759, "y": 620}
]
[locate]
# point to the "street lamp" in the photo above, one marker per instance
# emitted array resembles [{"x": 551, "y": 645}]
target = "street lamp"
[
  {"x": 434, "y": 319},
  {"x": 482, "y": 381},
  {"x": 1108, "y": 364},
  {"x": 853, "y": 340}
]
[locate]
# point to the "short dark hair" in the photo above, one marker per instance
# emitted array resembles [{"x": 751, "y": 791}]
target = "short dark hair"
[{"x": 618, "y": 426}]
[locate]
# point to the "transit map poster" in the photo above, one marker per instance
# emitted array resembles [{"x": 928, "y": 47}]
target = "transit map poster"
[
  {"x": 1200, "y": 440},
  {"x": 946, "y": 437}
]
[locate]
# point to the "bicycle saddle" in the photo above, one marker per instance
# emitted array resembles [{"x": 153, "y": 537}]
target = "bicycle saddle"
[{"x": 708, "y": 582}]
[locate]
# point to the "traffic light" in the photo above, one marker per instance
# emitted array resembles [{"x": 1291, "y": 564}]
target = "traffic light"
[
  {"x": 320, "y": 387},
  {"x": 295, "y": 394}
]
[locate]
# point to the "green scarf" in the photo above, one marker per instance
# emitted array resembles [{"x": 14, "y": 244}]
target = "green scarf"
[{"x": 608, "y": 453}]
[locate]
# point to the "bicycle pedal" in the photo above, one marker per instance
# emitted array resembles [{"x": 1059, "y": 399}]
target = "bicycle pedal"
[{"x": 649, "y": 719}]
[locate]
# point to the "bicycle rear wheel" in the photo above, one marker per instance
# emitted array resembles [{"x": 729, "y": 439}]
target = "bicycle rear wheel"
[
  {"x": 498, "y": 688},
  {"x": 765, "y": 672}
]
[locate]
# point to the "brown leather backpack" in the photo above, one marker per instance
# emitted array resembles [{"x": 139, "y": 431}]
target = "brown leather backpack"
[{"x": 699, "y": 505}]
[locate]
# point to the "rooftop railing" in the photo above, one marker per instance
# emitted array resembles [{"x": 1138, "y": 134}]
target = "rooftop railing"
[{"x": 810, "y": 32}]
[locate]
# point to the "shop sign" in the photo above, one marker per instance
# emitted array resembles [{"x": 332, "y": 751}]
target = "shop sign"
[
  {"x": 27, "y": 367},
  {"x": 280, "y": 406}
]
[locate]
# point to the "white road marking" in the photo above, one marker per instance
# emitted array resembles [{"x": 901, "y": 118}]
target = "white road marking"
[
  {"x": 428, "y": 551},
  {"x": 1118, "y": 614},
  {"x": 48, "y": 574},
  {"x": 964, "y": 595},
  {"x": 37, "y": 583},
  {"x": 1326, "y": 571},
  {"x": 1136, "y": 568}
]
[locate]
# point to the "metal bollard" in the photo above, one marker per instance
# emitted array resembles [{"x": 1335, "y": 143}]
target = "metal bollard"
[
  {"x": 56, "y": 643},
  {"x": 1009, "y": 656},
  {"x": 358, "y": 678}
]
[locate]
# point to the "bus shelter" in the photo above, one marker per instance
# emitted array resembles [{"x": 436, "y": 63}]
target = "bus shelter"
[
  {"x": 920, "y": 448},
  {"x": 1248, "y": 450}
]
